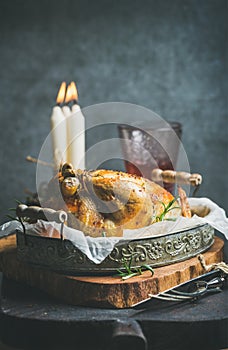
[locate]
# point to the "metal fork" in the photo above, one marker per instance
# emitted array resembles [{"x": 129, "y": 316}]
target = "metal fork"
[
  {"x": 199, "y": 287},
  {"x": 202, "y": 288}
]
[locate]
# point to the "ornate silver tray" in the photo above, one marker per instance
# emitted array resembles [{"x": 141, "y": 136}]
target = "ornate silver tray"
[{"x": 62, "y": 256}]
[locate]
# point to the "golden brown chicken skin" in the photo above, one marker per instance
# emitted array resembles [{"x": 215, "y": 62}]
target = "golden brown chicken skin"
[{"x": 104, "y": 202}]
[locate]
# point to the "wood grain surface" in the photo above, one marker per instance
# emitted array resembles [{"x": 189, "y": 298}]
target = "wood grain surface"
[{"x": 102, "y": 291}]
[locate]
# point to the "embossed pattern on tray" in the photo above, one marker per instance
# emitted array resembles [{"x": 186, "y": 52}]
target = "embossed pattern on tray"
[{"x": 64, "y": 257}]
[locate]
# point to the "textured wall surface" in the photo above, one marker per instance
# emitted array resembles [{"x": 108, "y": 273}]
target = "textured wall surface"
[{"x": 169, "y": 56}]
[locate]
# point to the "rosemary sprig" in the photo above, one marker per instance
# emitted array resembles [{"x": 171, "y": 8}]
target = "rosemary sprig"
[
  {"x": 130, "y": 271},
  {"x": 11, "y": 217},
  {"x": 167, "y": 208}
]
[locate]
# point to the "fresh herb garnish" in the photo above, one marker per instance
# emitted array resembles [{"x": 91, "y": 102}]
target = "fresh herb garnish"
[
  {"x": 130, "y": 271},
  {"x": 9, "y": 216},
  {"x": 167, "y": 208}
]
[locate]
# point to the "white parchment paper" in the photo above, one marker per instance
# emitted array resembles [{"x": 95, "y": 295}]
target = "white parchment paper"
[{"x": 97, "y": 249}]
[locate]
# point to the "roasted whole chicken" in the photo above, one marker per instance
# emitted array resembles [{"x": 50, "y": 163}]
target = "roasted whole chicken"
[{"x": 104, "y": 202}]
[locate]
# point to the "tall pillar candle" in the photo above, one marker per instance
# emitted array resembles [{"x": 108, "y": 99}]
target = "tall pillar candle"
[
  {"x": 76, "y": 133},
  {"x": 68, "y": 98},
  {"x": 59, "y": 130}
]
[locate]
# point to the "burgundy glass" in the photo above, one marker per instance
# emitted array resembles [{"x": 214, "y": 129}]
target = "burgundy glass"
[{"x": 147, "y": 147}]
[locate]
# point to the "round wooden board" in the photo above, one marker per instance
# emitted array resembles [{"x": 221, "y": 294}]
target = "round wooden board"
[{"x": 103, "y": 291}]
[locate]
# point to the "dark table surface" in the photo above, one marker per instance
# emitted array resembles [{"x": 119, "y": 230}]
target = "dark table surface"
[{"x": 32, "y": 320}]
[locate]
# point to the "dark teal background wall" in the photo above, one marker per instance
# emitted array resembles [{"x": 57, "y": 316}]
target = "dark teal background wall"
[{"x": 169, "y": 56}]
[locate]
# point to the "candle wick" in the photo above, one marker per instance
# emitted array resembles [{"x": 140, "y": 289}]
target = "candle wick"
[
  {"x": 66, "y": 103},
  {"x": 60, "y": 104}
]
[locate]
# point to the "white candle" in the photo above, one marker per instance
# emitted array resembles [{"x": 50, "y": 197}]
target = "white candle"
[
  {"x": 76, "y": 133},
  {"x": 68, "y": 98},
  {"x": 66, "y": 111},
  {"x": 59, "y": 130}
]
